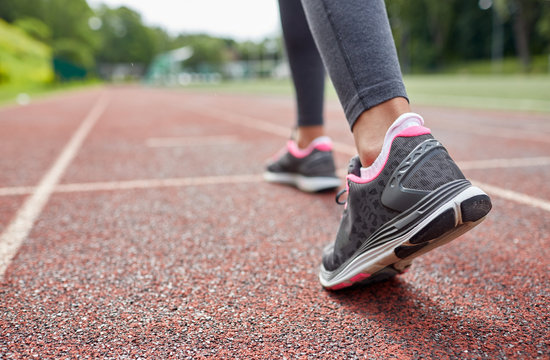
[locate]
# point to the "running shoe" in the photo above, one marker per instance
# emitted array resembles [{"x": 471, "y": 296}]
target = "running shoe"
[
  {"x": 413, "y": 199},
  {"x": 311, "y": 169}
]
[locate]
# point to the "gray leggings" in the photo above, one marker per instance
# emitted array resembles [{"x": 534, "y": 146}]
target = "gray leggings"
[{"x": 356, "y": 46}]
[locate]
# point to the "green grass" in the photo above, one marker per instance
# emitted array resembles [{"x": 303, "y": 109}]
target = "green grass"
[
  {"x": 506, "y": 92},
  {"x": 540, "y": 64},
  {"x": 9, "y": 93}
]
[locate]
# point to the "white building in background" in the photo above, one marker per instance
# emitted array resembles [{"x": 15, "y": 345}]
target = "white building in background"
[{"x": 166, "y": 68}]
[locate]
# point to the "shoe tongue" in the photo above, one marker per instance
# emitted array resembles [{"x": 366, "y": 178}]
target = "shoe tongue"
[{"x": 354, "y": 166}]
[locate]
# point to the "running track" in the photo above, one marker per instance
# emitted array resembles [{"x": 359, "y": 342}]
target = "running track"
[{"x": 134, "y": 224}]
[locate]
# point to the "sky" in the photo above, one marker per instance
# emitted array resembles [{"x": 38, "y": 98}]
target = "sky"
[{"x": 237, "y": 19}]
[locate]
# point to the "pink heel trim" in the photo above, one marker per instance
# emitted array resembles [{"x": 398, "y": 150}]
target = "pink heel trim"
[
  {"x": 414, "y": 131},
  {"x": 324, "y": 145},
  {"x": 408, "y": 132},
  {"x": 345, "y": 284},
  {"x": 340, "y": 286},
  {"x": 359, "y": 277}
]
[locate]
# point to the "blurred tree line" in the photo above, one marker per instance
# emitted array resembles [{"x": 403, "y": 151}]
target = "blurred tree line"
[
  {"x": 432, "y": 33},
  {"x": 429, "y": 34}
]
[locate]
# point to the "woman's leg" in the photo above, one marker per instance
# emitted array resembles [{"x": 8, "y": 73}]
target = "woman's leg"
[
  {"x": 357, "y": 47},
  {"x": 307, "y": 69},
  {"x": 411, "y": 197},
  {"x": 307, "y": 161}
]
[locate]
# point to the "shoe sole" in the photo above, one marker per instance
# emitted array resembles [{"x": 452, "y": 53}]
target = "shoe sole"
[
  {"x": 304, "y": 183},
  {"x": 453, "y": 218}
]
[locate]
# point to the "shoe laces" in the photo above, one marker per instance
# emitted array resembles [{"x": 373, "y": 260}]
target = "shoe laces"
[{"x": 340, "y": 193}]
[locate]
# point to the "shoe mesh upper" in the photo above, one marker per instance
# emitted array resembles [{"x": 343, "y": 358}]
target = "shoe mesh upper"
[
  {"x": 434, "y": 171},
  {"x": 365, "y": 212},
  {"x": 318, "y": 163}
]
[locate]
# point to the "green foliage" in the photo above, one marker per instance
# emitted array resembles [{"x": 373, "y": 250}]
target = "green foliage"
[
  {"x": 430, "y": 34},
  {"x": 543, "y": 27},
  {"x": 124, "y": 38},
  {"x": 22, "y": 59},
  {"x": 74, "y": 51},
  {"x": 35, "y": 28},
  {"x": 209, "y": 53},
  {"x": 69, "y": 19},
  {"x": 160, "y": 39},
  {"x": 11, "y": 10},
  {"x": 62, "y": 24}
]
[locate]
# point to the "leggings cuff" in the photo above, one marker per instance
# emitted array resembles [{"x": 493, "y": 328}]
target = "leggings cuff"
[{"x": 372, "y": 96}]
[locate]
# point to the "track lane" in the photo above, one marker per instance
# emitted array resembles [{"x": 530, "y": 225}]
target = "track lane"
[{"x": 127, "y": 263}]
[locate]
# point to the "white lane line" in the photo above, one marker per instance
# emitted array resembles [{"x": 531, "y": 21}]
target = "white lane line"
[
  {"x": 349, "y": 150},
  {"x": 513, "y": 196},
  {"x": 157, "y": 183},
  {"x": 504, "y": 163},
  {"x": 477, "y": 164},
  {"x": 191, "y": 141},
  {"x": 247, "y": 121},
  {"x": 251, "y": 178},
  {"x": 266, "y": 126},
  {"x": 17, "y": 190},
  {"x": 140, "y": 184},
  {"x": 14, "y": 234}
]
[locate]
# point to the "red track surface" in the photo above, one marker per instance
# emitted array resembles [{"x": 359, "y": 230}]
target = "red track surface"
[{"x": 216, "y": 263}]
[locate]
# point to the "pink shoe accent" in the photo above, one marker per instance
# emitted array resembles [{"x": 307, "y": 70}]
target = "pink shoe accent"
[
  {"x": 321, "y": 144},
  {"x": 324, "y": 146},
  {"x": 414, "y": 131},
  {"x": 359, "y": 277},
  {"x": 340, "y": 286},
  {"x": 408, "y": 132}
]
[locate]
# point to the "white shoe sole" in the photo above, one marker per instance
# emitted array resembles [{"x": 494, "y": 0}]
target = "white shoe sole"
[{"x": 304, "y": 183}]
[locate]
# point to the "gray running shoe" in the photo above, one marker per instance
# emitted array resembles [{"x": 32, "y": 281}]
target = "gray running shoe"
[
  {"x": 417, "y": 201},
  {"x": 310, "y": 170}
]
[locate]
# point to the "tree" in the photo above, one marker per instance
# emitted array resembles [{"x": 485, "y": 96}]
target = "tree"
[
  {"x": 35, "y": 28},
  {"x": 523, "y": 14},
  {"x": 124, "y": 38},
  {"x": 543, "y": 28},
  {"x": 11, "y": 10},
  {"x": 209, "y": 53},
  {"x": 161, "y": 40},
  {"x": 421, "y": 30},
  {"x": 67, "y": 21}
]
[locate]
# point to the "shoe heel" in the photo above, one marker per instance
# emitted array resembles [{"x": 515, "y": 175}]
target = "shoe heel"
[
  {"x": 475, "y": 208},
  {"x": 437, "y": 227},
  {"x": 444, "y": 227}
]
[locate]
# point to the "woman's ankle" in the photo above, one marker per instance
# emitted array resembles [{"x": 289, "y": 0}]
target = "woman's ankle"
[
  {"x": 371, "y": 126},
  {"x": 306, "y": 134}
]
